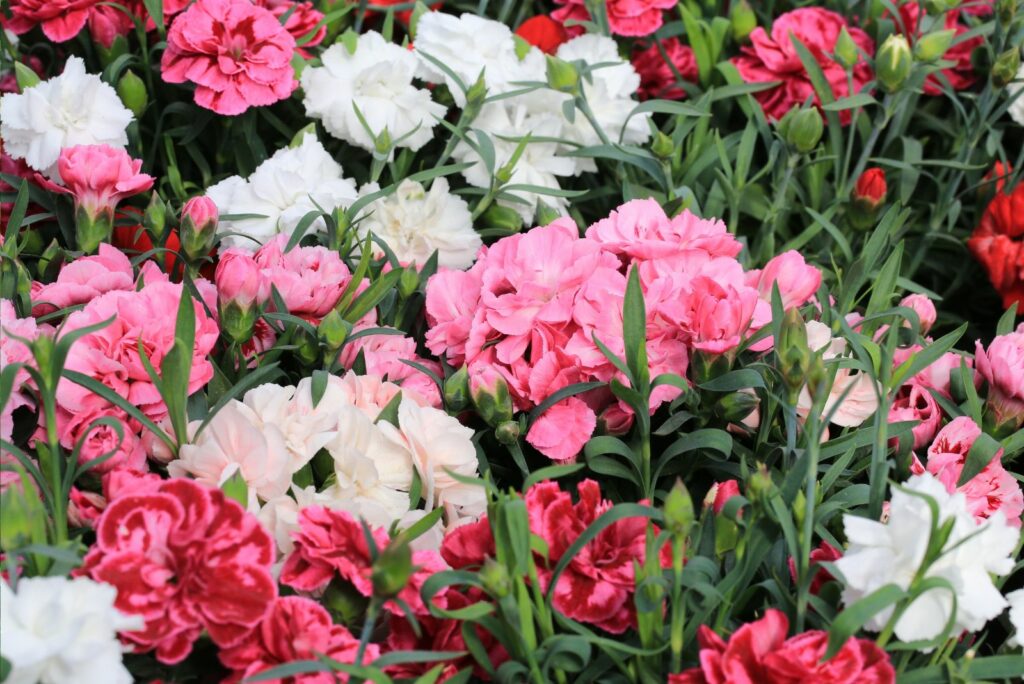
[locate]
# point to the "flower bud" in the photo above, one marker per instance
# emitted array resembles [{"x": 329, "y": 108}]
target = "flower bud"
[
  {"x": 923, "y": 307},
  {"x": 392, "y": 570},
  {"x": 93, "y": 227},
  {"x": 723, "y": 492},
  {"x": 893, "y": 62},
  {"x": 932, "y": 46},
  {"x": 507, "y": 433},
  {"x": 132, "y": 92},
  {"x": 1006, "y": 10},
  {"x": 456, "y": 390},
  {"x": 22, "y": 516},
  {"x": 760, "y": 484},
  {"x": 662, "y": 146},
  {"x": 494, "y": 577},
  {"x": 1004, "y": 70},
  {"x": 793, "y": 352},
  {"x": 236, "y": 321},
  {"x": 475, "y": 97},
  {"x": 735, "y": 406},
  {"x": 155, "y": 218},
  {"x": 333, "y": 331},
  {"x": 503, "y": 218},
  {"x": 846, "y": 50},
  {"x": 198, "y": 227},
  {"x": 562, "y": 76},
  {"x": 383, "y": 144},
  {"x": 25, "y": 76},
  {"x": 408, "y": 282},
  {"x": 678, "y": 509},
  {"x": 799, "y": 510},
  {"x": 489, "y": 391},
  {"x": 545, "y": 215},
  {"x": 871, "y": 188},
  {"x": 118, "y": 47},
  {"x": 803, "y": 129},
  {"x": 307, "y": 346},
  {"x": 240, "y": 279},
  {"x": 742, "y": 20}
]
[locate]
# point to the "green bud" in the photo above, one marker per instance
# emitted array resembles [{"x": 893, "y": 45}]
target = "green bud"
[
  {"x": 502, "y": 218},
  {"x": 662, "y": 146},
  {"x": 793, "y": 353},
  {"x": 236, "y": 322},
  {"x": 932, "y": 46},
  {"x": 392, "y": 570},
  {"x": 408, "y": 282},
  {"x": 22, "y": 516},
  {"x": 817, "y": 376},
  {"x": 735, "y": 406},
  {"x": 846, "y": 50},
  {"x": 26, "y": 77},
  {"x": 545, "y": 215},
  {"x": 706, "y": 366},
  {"x": 563, "y": 76},
  {"x": 333, "y": 331},
  {"x": 507, "y": 433},
  {"x": 742, "y": 21},
  {"x": 456, "y": 390},
  {"x": 799, "y": 509},
  {"x": 893, "y": 62},
  {"x": 132, "y": 92},
  {"x": 804, "y": 130},
  {"x": 91, "y": 229},
  {"x": 726, "y": 535},
  {"x": 1005, "y": 68},
  {"x": 383, "y": 144},
  {"x": 678, "y": 509},
  {"x": 760, "y": 484},
  {"x": 494, "y": 577},
  {"x": 344, "y": 601},
  {"x": 51, "y": 260},
  {"x": 475, "y": 97},
  {"x": 307, "y": 347},
  {"x": 155, "y": 218},
  {"x": 117, "y": 48},
  {"x": 1006, "y": 10}
]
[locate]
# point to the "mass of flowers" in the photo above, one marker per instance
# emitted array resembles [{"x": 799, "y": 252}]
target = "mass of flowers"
[{"x": 604, "y": 341}]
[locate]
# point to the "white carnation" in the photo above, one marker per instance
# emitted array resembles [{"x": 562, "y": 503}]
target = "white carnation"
[
  {"x": 1016, "y": 601},
  {"x": 282, "y": 190},
  {"x": 56, "y": 630},
  {"x": 507, "y": 122},
  {"x": 470, "y": 45},
  {"x": 853, "y": 397},
  {"x": 74, "y": 108},
  {"x": 415, "y": 223},
  {"x": 304, "y": 431},
  {"x": 609, "y": 93},
  {"x": 1015, "y": 90},
  {"x": 893, "y": 552},
  {"x": 376, "y": 79}
]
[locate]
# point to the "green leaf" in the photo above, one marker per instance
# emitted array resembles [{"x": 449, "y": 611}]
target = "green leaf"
[
  {"x": 176, "y": 367},
  {"x": 236, "y": 488},
  {"x": 564, "y": 393},
  {"x": 389, "y": 414},
  {"x": 851, "y": 102},
  {"x": 734, "y": 380},
  {"x": 634, "y": 333},
  {"x": 371, "y": 296},
  {"x": 156, "y": 10},
  {"x": 853, "y": 617},
  {"x": 981, "y": 454},
  {"x": 318, "y": 385},
  {"x": 551, "y": 473}
]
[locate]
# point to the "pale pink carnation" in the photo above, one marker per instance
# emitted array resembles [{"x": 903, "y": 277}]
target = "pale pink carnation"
[
  {"x": 14, "y": 350},
  {"x": 923, "y": 307},
  {"x": 84, "y": 279},
  {"x": 796, "y": 279},
  {"x": 383, "y": 355},
  {"x": 1002, "y": 366},
  {"x": 237, "y": 54},
  {"x": 452, "y": 300}
]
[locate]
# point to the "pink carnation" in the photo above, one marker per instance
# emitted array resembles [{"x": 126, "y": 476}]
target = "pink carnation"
[
  {"x": 717, "y": 315},
  {"x": 625, "y": 17},
  {"x": 914, "y": 402},
  {"x": 658, "y": 77},
  {"x": 993, "y": 489},
  {"x": 924, "y": 308},
  {"x": 774, "y": 58},
  {"x": 303, "y": 18},
  {"x": 99, "y": 177},
  {"x": 83, "y": 279},
  {"x": 723, "y": 492},
  {"x": 240, "y": 279},
  {"x": 15, "y": 351},
  {"x": 452, "y": 299},
  {"x": 383, "y": 356},
  {"x": 294, "y": 629},
  {"x": 598, "y": 584},
  {"x": 1002, "y": 367},
  {"x": 111, "y": 355},
  {"x": 61, "y": 20},
  {"x": 128, "y": 450},
  {"x": 797, "y": 281},
  {"x": 237, "y": 54},
  {"x": 937, "y": 374},
  {"x": 186, "y": 559}
]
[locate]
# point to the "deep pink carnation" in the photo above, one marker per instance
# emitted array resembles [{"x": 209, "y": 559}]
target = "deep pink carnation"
[
  {"x": 111, "y": 354},
  {"x": 128, "y": 450},
  {"x": 15, "y": 351},
  {"x": 774, "y": 58},
  {"x": 625, "y": 17},
  {"x": 61, "y": 20},
  {"x": 83, "y": 279},
  {"x": 237, "y": 54},
  {"x": 469, "y": 544},
  {"x": 303, "y": 18},
  {"x": 961, "y": 75},
  {"x": 295, "y": 628},
  {"x": 98, "y": 177},
  {"x": 797, "y": 280},
  {"x": 660, "y": 78},
  {"x": 915, "y": 402},
  {"x": 186, "y": 559},
  {"x": 598, "y": 584},
  {"x": 760, "y": 652}
]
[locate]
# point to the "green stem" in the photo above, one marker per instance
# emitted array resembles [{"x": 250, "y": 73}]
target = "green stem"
[{"x": 371, "y": 619}]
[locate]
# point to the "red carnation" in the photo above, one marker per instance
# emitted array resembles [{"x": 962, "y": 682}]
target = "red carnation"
[
  {"x": 598, "y": 584},
  {"x": 468, "y": 545},
  {"x": 60, "y": 20},
  {"x": 998, "y": 243},
  {"x": 543, "y": 32},
  {"x": 824, "y": 553},
  {"x": 871, "y": 187},
  {"x": 294, "y": 629},
  {"x": 723, "y": 492},
  {"x": 657, "y": 76},
  {"x": 186, "y": 559}
]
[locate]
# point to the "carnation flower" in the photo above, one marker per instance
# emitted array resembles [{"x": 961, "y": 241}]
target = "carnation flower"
[
  {"x": 998, "y": 244},
  {"x": 853, "y": 396},
  {"x": 625, "y": 17},
  {"x": 237, "y": 54},
  {"x": 375, "y": 81},
  {"x": 660, "y": 73},
  {"x": 302, "y": 19},
  {"x": 760, "y": 652},
  {"x": 414, "y": 223},
  {"x": 74, "y": 108},
  {"x": 13, "y": 350},
  {"x": 294, "y": 629},
  {"x": 111, "y": 355},
  {"x": 384, "y": 355},
  {"x": 892, "y": 553},
  {"x": 914, "y": 402},
  {"x": 993, "y": 489},
  {"x": 1016, "y": 601},
  {"x": 1002, "y": 367},
  {"x": 598, "y": 583},
  {"x": 284, "y": 409},
  {"x": 283, "y": 189},
  {"x": 55, "y": 629},
  {"x": 924, "y": 308},
  {"x": 774, "y": 58},
  {"x": 127, "y": 452},
  {"x": 469, "y": 46},
  {"x": 60, "y": 20},
  {"x": 187, "y": 560},
  {"x": 543, "y": 32},
  {"x": 82, "y": 280}
]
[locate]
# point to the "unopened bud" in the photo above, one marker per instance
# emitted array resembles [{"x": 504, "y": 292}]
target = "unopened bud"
[
  {"x": 503, "y": 218},
  {"x": 475, "y": 97},
  {"x": 793, "y": 352},
  {"x": 117, "y": 47},
  {"x": 408, "y": 282},
  {"x": 868, "y": 195},
  {"x": 742, "y": 20},
  {"x": 456, "y": 390},
  {"x": 934, "y": 45},
  {"x": 562, "y": 76},
  {"x": 507, "y": 433},
  {"x": 383, "y": 144},
  {"x": 760, "y": 484},
  {"x": 546, "y": 215},
  {"x": 22, "y": 516},
  {"x": 893, "y": 62},
  {"x": 489, "y": 391},
  {"x": 846, "y": 50},
  {"x": 1006, "y": 10},
  {"x": 198, "y": 227},
  {"x": 802, "y": 129},
  {"x": 735, "y": 406},
  {"x": 155, "y": 218},
  {"x": 392, "y": 570},
  {"x": 1005, "y": 68},
  {"x": 132, "y": 92},
  {"x": 333, "y": 331},
  {"x": 494, "y": 577},
  {"x": 678, "y": 510},
  {"x": 662, "y": 146},
  {"x": 237, "y": 321}
]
